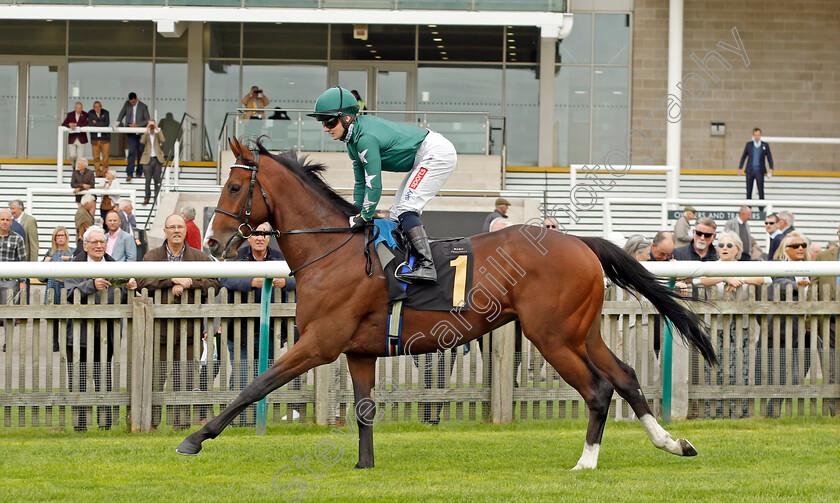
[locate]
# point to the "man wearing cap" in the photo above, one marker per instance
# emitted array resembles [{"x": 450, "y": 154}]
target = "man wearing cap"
[
  {"x": 501, "y": 210},
  {"x": 682, "y": 229}
]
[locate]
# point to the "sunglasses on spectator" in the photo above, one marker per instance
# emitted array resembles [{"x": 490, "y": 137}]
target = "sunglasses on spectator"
[
  {"x": 770, "y": 223},
  {"x": 330, "y": 122},
  {"x": 796, "y": 246},
  {"x": 726, "y": 245},
  {"x": 551, "y": 226},
  {"x": 704, "y": 234}
]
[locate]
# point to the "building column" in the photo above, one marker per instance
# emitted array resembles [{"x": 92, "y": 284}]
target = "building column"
[
  {"x": 673, "y": 133},
  {"x": 546, "y": 141},
  {"x": 195, "y": 85}
]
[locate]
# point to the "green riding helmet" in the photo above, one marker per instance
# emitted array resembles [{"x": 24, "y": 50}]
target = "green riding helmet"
[{"x": 335, "y": 102}]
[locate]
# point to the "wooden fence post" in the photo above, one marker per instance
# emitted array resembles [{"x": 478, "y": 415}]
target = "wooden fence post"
[
  {"x": 681, "y": 358},
  {"x": 323, "y": 379},
  {"x": 501, "y": 384},
  {"x": 142, "y": 364}
]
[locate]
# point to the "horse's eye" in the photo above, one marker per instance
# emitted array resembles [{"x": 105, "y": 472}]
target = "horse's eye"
[{"x": 235, "y": 188}]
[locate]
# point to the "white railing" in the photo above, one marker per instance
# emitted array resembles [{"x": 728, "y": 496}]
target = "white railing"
[
  {"x": 66, "y": 190},
  {"x": 671, "y": 178},
  {"x": 279, "y": 269},
  {"x": 801, "y": 139},
  {"x": 62, "y": 130}
]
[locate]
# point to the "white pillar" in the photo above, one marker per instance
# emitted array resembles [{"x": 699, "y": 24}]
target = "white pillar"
[
  {"x": 674, "y": 128},
  {"x": 545, "y": 149},
  {"x": 195, "y": 83}
]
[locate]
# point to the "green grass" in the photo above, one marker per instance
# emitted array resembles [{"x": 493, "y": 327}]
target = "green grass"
[{"x": 742, "y": 461}]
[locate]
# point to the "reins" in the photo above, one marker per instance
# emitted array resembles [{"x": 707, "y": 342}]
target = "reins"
[{"x": 253, "y": 166}]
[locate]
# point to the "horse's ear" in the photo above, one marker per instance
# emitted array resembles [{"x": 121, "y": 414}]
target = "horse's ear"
[{"x": 235, "y": 147}]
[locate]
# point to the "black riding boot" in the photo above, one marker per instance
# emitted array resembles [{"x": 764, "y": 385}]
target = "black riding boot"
[{"x": 424, "y": 266}]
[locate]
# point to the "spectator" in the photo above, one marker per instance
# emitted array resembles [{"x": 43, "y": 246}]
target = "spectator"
[
  {"x": 816, "y": 249},
  {"x": 362, "y": 104},
  {"x": 193, "y": 232},
  {"x": 638, "y": 246},
  {"x": 121, "y": 246},
  {"x": 825, "y": 288},
  {"x": 738, "y": 225},
  {"x": 88, "y": 290},
  {"x": 82, "y": 179},
  {"x": 76, "y": 141},
  {"x": 662, "y": 247},
  {"x": 256, "y": 251},
  {"x": 730, "y": 248},
  {"x": 84, "y": 218},
  {"x": 682, "y": 229},
  {"x": 832, "y": 245},
  {"x": 758, "y": 154},
  {"x": 127, "y": 220},
  {"x": 59, "y": 251},
  {"x": 185, "y": 291},
  {"x": 169, "y": 127},
  {"x": 551, "y": 223},
  {"x": 255, "y": 100},
  {"x": 30, "y": 227},
  {"x": 109, "y": 201},
  {"x": 501, "y": 210},
  {"x": 153, "y": 158},
  {"x": 100, "y": 143},
  {"x": 771, "y": 225},
  {"x": 12, "y": 249},
  {"x": 134, "y": 113},
  {"x": 701, "y": 247},
  {"x": 786, "y": 222}
]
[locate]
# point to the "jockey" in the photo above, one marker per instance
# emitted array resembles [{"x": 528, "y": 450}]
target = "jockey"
[{"x": 377, "y": 145}]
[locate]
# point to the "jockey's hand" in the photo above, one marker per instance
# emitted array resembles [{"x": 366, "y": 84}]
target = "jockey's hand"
[{"x": 357, "y": 222}]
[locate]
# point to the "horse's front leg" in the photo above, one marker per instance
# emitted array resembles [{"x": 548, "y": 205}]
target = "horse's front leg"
[
  {"x": 298, "y": 360},
  {"x": 363, "y": 373}
]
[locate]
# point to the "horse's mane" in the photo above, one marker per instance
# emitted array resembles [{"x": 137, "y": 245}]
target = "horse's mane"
[{"x": 310, "y": 173}]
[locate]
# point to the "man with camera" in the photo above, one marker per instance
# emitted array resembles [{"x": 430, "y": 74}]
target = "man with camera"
[
  {"x": 153, "y": 158},
  {"x": 255, "y": 101}
]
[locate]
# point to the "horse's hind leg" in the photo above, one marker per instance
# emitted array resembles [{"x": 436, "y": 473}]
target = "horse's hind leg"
[
  {"x": 623, "y": 377},
  {"x": 363, "y": 372},
  {"x": 576, "y": 369}
]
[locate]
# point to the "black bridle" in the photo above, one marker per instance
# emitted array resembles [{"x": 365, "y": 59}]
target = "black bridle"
[{"x": 245, "y": 211}]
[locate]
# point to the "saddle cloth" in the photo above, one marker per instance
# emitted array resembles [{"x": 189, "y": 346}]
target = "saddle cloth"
[{"x": 453, "y": 261}]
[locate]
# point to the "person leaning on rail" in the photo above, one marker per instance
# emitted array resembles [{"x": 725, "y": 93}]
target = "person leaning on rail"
[{"x": 183, "y": 291}]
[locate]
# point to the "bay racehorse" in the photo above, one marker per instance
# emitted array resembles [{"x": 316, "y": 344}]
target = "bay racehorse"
[{"x": 551, "y": 281}]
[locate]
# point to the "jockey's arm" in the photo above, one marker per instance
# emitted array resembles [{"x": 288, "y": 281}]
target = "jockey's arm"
[{"x": 367, "y": 168}]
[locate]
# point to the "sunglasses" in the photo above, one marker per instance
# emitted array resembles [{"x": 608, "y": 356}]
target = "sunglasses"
[
  {"x": 796, "y": 246},
  {"x": 330, "y": 122},
  {"x": 770, "y": 223},
  {"x": 726, "y": 245},
  {"x": 551, "y": 226},
  {"x": 704, "y": 234}
]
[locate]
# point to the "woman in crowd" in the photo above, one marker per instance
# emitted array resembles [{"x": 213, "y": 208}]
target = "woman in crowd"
[
  {"x": 59, "y": 250},
  {"x": 729, "y": 248},
  {"x": 638, "y": 246},
  {"x": 109, "y": 202}
]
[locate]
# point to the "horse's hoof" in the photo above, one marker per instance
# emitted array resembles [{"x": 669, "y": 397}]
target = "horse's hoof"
[
  {"x": 188, "y": 448},
  {"x": 361, "y": 466},
  {"x": 687, "y": 448}
]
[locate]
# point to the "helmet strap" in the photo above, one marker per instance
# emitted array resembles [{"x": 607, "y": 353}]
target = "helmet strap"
[{"x": 347, "y": 122}]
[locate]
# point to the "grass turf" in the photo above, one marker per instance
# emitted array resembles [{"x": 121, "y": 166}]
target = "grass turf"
[{"x": 746, "y": 460}]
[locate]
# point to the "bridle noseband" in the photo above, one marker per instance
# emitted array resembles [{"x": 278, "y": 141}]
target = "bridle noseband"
[
  {"x": 245, "y": 210},
  {"x": 371, "y": 232}
]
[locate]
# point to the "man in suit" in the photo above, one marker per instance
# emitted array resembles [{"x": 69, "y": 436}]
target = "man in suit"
[
  {"x": 739, "y": 226},
  {"x": 88, "y": 291},
  {"x": 771, "y": 225},
  {"x": 786, "y": 222},
  {"x": 30, "y": 227},
  {"x": 100, "y": 143},
  {"x": 757, "y": 153},
  {"x": 121, "y": 244},
  {"x": 76, "y": 141},
  {"x": 184, "y": 291},
  {"x": 153, "y": 158},
  {"x": 134, "y": 113},
  {"x": 84, "y": 218}
]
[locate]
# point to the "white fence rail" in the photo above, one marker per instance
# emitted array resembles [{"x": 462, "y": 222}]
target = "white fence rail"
[{"x": 62, "y": 130}]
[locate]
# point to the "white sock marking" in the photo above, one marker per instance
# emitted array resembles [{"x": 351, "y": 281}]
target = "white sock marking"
[
  {"x": 589, "y": 457},
  {"x": 660, "y": 438}
]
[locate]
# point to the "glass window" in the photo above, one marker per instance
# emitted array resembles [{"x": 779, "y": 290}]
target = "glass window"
[
  {"x": 394, "y": 43},
  {"x": 111, "y": 38},
  {"x": 42, "y": 116},
  {"x": 577, "y": 47},
  {"x": 522, "y": 110},
  {"x": 170, "y": 99},
  {"x": 221, "y": 95},
  {"x": 571, "y": 115},
  {"x": 8, "y": 109},
  {"x": 609, "y": 110},
  {"x": 224, "y": 40},
  {"x": 166, "y": 47},
  {"x": 612, "y": 38},
  {"x": 33, "y": 37},
  {"x": 522, "y": 44},
  {"x": 285, "y": 41},
  {"x": 460, "y": 43},
  {"x": 108, "y": 82}
]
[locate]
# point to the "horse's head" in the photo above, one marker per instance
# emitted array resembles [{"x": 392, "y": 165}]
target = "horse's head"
[{"x": 242, "y": 206}]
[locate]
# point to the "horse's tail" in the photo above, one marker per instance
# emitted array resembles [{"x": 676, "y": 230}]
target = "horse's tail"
[{"x": 627, "y": 273}]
